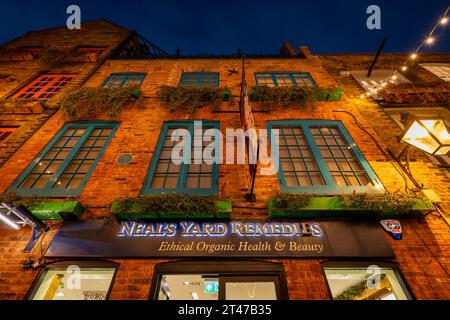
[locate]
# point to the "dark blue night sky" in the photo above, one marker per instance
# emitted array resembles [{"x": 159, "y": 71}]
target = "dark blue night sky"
[{"x": 257, "y": 26}]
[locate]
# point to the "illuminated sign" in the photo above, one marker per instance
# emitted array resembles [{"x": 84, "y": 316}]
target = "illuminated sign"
[
  {"x": 220, "y": 229},
  {"x": 235, "y": 238},
  {"x": 211, "y": 286}
]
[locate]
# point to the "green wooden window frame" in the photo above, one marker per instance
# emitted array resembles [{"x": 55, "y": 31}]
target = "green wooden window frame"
[
  {"x": 283, "y": 79},
  {"x": 320, "y": 157},
  {"x": 173, "y": 178},
  {"x": 120, "y": 80},
  {"x": 199, "y": 79},
  {"x": 64, "y": 166}
]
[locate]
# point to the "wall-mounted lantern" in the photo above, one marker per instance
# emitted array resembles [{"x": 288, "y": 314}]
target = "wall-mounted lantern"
[{"x": 429, "y": 135}]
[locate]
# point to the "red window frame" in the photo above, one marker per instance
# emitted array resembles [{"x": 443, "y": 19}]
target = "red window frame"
[
  {"x": 5, "y": 132},
  {"x": 43, "y": 87}
]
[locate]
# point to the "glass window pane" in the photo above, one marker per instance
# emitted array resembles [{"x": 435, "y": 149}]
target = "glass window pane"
[
  {"x": 61, "y": 154},
  {"x": 55, "y": 284},
  {"x": 188, "y": 287},
  {"x": 250, "y": 291},
  {"x": 296, "y": 158},
  {"x": 365, "y": 284}
]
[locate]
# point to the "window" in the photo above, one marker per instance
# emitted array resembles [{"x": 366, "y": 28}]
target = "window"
[
  {"x": 365, "y": 281},
  {"x": 65, "y": 164},
  {"x": 283, "y": 79},
  {"x": 196, "y": 177},
  {"x": 199, "y": 79},
  {"x": 376, "y": 78},
  {"x": 5, "y": 132},
  {"x": 219, "y": 280},
  {"x": 320, "y": 157},
  {"x": 56, "y": 281},
  {"x": 44, "y": 87},
  {"x": 442, "y": 70},
  {"x": 120, "y": 80}
]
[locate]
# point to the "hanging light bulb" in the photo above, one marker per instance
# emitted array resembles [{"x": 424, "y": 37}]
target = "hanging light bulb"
[
  {"x": 394, "y": 77},
  {"x": 430, "y": 40},
  {"x": 404, "y": 68},
  {"x": 413, "y": 56},
  {"x": 444, "y": 20}
]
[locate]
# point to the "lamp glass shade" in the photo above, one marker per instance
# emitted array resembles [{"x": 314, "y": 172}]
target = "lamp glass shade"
[{"x": 431, "y": 136}]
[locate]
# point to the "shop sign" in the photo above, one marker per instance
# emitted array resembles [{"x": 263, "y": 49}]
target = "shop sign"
[{"x": 244, "y": 239}]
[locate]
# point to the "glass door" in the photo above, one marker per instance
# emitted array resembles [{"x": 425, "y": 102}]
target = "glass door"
[{"x": 249, "y": 287}]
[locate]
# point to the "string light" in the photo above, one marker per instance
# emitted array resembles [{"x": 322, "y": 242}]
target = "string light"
[{"x": 428, "y": 40}]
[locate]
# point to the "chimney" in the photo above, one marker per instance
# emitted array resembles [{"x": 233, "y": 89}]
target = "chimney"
[
  {"x": 288, "y": 50},
  {"x": 304, "y": 52}
]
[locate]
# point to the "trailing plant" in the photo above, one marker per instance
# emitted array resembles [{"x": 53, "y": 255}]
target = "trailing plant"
[
  {"x": 87, "y": 102},
  {"x": 15, "y": 199},
  {"x": 283, "y": 96},
  {"x": 192, "y": 98},
  {"x": 166, "y": 203},
  {"x": 293, "y": 201},
  {"x": 393, "y": 202},
  {"x": 433, "y": 92},
  {"x": 356, "y": 290}
]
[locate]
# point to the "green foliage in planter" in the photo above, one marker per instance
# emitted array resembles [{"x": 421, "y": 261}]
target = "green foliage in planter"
[
  {"x": 355, "y": 291},
  {"x": 292, "y": 201},
  {"x": 172, "y": 203},
  {"x": 16, "y": 200},
  {"x": 386, "y": 202},
  {"x": 177, "y": 98},
  {"x": 86, "y": 102},
  {"x": 283, "y": 96}
]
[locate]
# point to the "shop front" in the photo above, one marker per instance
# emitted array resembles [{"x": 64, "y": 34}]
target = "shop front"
[{"x": 221, "y": 260}]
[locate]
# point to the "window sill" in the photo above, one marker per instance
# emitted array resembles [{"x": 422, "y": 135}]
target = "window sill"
[{"x": 333, "y": 207}]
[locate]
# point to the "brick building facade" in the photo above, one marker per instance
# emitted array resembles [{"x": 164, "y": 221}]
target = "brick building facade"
[{"x": 422, "y": 255}]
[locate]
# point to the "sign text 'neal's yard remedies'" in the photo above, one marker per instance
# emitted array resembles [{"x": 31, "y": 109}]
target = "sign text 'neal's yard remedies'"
[
  {"x": 226, "y": 239},
  {"x": 234, "y": 228}
]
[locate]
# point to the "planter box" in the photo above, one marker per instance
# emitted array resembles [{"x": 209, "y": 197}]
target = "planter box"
[
  {"x": 332, "y": 94},
  {"x": 333, "y": 207},
  {"x": 67, "y": 210},
  {"x": 133, "y": 213},
  {"x": 323, "y": 94}
]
